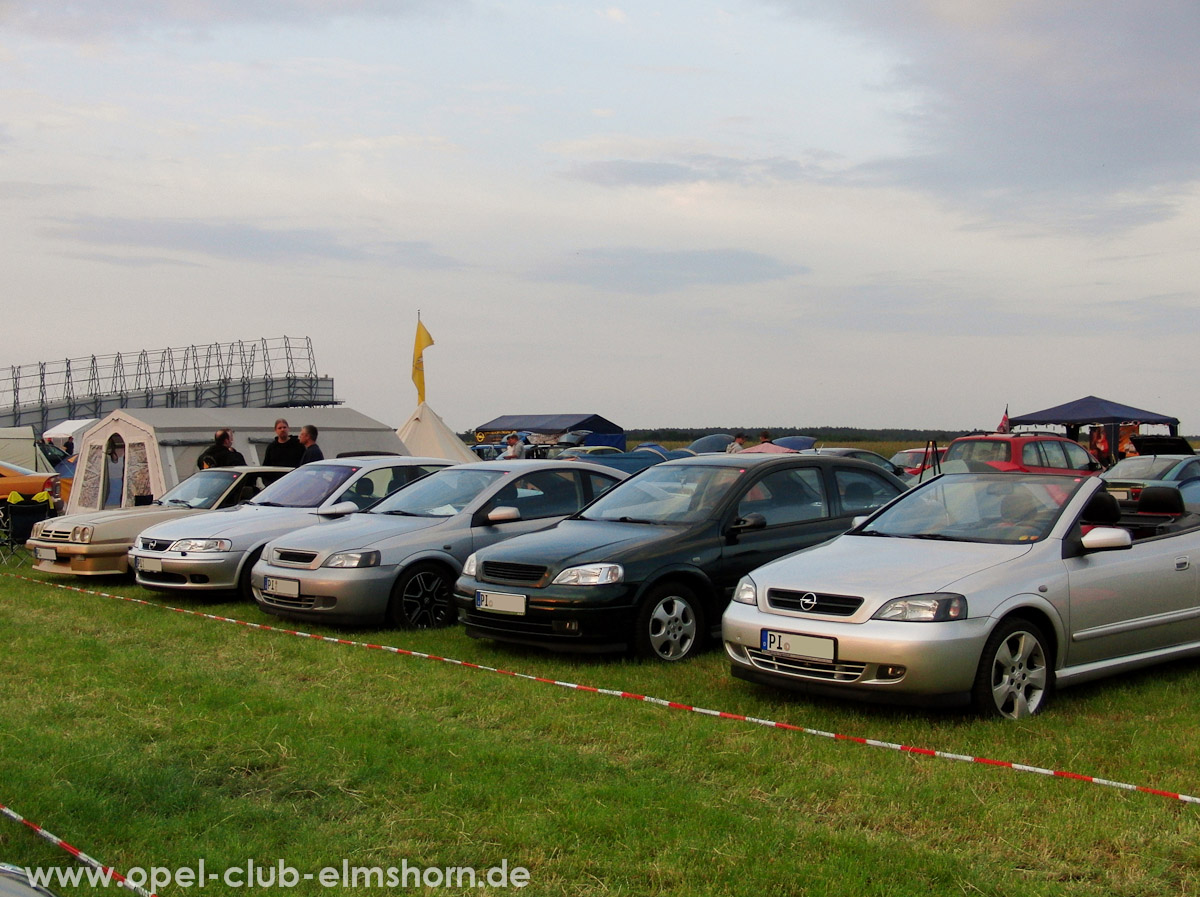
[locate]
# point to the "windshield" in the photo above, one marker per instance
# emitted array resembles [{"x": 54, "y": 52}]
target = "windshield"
[
  {"x": 666, "y": 494},
  {"x": 1146, "y": 467},
  {"x": 1000, "y": 507},
  {"x": 441, "y": 494},
  {"x": 305, "y": 487},
  {"x": 201, "y": 490}
]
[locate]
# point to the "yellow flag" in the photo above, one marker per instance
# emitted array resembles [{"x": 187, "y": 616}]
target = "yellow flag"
[{"x": 423, "y": 341}]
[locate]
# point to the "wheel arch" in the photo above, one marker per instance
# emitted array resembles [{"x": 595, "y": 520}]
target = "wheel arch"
[
  {"x": 1044, "y": 618},
  {"x": 691, "y": 577}
]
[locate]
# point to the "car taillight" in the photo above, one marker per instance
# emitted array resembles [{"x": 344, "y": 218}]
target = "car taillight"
[
  {"x": 1135, "y": 492},
  {"x": 51, "y": 486}
]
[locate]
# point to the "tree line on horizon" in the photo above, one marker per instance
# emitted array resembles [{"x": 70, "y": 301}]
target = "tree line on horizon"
[{"x": 824, "y": 434}]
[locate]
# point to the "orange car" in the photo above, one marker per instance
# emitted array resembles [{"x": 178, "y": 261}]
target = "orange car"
[{"x": 14, "y": 478}]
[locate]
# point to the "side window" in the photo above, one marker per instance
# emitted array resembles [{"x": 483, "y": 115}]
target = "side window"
[
  {"x": 862, "y": 490},
  {"x": 1054, "y": 455},
  {"x": 367, "y": 489},
  {"x": 598, "y": 485},
  {"x": 545, "y": 493},
  {"x": 787, "y": 496},
  {"x": 1077, "y": 458}
]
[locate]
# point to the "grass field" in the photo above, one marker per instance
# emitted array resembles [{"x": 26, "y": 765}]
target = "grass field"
[{"x": 151, "y": 738}]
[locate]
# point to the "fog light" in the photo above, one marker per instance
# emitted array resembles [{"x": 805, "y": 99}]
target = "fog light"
[
  {"x": 891, "y": 672},
  {"x": 570, "y": 627}
]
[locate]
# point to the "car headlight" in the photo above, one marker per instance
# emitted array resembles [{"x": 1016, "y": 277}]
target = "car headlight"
[
  {"x": 201, "y": 545},
  {"x": 590, "y": 575},
  {"x": 746, "y": 591},
  {"x": 81, "y": 534},
  {"x": 469, "y": 566},
  {"x": 353, "y": 559},
  {"x": 934, "y": 608}
]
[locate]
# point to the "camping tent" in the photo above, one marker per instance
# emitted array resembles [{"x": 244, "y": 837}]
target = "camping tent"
[
  {"x": 1091, "y": 410},
  {"x": 426, "y": 435},
  {"x": 73, "y": 429},
  {"x": 601, "y": 430},
  {"x": 19, "y": 445},
  {"x": 161, "y": 446}
]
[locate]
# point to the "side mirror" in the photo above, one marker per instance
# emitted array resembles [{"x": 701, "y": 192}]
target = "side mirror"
[
  {"x": 503, "y": 514},
  {"x": 1106, "y": 538},
  {"x": 749, "y": 522},
  {"x": 338, "y": 510}
]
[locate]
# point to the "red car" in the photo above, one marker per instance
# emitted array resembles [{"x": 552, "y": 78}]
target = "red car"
[
  {"x": 1022, "y": 452},
  {"x": 914, "y": 460}
]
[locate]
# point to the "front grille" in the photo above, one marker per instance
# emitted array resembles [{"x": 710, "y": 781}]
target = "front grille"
[
  {"x": 498, "y": 571},
  {"x": 817, "y": 602},
  {"x": 302, "y": 602},
  {"x": 294, "y": 557},
  {"x": 807, "y": 669},
  {"x": 155, "y": 544},
  {"x": 55, "y": 535}
]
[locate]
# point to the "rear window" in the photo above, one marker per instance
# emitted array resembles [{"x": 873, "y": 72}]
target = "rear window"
[{"x": 979, "y": 450}]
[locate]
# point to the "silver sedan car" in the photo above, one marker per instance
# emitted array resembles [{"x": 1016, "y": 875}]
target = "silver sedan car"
[
  {"x": 988, "y": 589},
  {"x": 398, "y": 561},
  {"x": 215, "y": 550}
]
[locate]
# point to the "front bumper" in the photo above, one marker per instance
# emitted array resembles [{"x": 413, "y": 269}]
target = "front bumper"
[
  {"x": 336, "y": 595},
  {"x": 923, "y": 663},
  {"x": 80, "y": 559},
  {"x": 561, "y": 618},
  {"x": 193, "y": 571}
]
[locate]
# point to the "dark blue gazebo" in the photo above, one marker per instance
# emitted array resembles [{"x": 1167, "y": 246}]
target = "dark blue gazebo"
[{"x": 1094, "y": 411}]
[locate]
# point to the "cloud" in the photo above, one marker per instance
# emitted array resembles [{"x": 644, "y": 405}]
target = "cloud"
[
  {"x": 695, "y": 169},
  {"x": 641, "y": 271},
  {"x": 242, "y": 242},
  {"x": 74, "y": 20}
]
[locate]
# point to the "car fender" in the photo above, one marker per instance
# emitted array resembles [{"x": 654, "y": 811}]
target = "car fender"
[
  {"x": 690, "y": 574},
  {"x": 1042, "y": 609},
  {"x": 432, "y": 556}
]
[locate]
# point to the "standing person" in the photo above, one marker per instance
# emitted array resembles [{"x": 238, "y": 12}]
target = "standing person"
[
  {"x": 284, "y": 450},
  {"x": 739, "y": 443},
  {"x": 221, "y": 453},
  {"x": 69, "y": 445},
  {"x": 515, "y": 448},
  {"x": 308, "y": 439},
  {"x": 764, "y": 437}
]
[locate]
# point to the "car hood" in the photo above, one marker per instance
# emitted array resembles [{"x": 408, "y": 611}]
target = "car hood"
[
  {"x": 244, "y": 520},
  {"x": 573, "y": 541},
  {"x": 132, "y": 520},
  {"x": 873, "y": 567},
  {"x": 357, "y": 531}
]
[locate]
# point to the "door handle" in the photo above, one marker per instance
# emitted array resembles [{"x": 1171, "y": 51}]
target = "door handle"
[{"x": 1182, "y": 563}]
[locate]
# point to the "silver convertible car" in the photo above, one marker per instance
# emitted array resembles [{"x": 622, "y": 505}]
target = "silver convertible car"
[
  {"x": 986, "y": 589},
  {"x": 398, "y": 560},
  {"x": 214, "y": 551}
]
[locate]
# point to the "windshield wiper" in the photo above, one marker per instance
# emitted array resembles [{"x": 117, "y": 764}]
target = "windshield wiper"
[
  {"x": 268, "y": 504},
  {"x": 935, "y": 536},
  {"x": 399, "y": 513},
  {"x": 875, "y": 532}
]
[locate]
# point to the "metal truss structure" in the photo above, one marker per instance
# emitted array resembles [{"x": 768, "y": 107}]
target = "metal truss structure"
[{"x": 266, "y": 373}]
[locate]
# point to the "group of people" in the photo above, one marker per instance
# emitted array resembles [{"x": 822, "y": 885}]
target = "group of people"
[
  {"x": 284, "y": 450},
  {"x": 739, "y": 441}
]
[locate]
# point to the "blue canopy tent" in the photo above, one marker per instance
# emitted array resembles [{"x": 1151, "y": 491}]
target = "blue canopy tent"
[
  {"x": 1090, "y": 411},
  {"x": 601, "y": 430}
]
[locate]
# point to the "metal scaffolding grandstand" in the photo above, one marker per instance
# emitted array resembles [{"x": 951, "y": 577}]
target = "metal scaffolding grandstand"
[{"x": 265, "y": 373}]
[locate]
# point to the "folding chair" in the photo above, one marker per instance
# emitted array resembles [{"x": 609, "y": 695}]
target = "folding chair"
[
  {"x": 8, "y": 547},
  {"x": 17, "y": 524}
]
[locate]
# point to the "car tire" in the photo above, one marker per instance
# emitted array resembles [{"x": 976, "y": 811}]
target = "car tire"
[
  {"x": 1015, "y": 679},
  {"x": 421, "y": 598},
  {"x": 670, "y": 624},
  {"x": 245, "y": 592}
]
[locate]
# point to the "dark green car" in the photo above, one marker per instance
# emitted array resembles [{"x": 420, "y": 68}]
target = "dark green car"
[{"x": 651, "y": 564}]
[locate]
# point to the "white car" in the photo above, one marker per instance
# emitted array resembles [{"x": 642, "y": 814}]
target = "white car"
[{"x": 986, "y": 589}]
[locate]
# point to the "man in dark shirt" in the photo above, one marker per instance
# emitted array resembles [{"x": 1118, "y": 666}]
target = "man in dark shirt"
[
  {"x": 221, "y": 453},
  {"x": 284, "y": 450},
  {"x": 308, "y": 439}
]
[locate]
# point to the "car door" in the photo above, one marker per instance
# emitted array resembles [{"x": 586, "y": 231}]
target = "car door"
[
  {"x": 796, "y": 505},
  {"x": 541, "y": 497},
  {"x": 1133, "y": 600}
]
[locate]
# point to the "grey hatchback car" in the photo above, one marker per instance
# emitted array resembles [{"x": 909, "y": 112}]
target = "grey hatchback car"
[
  {"x": 215, "y": 550},
  {"x": 398, "y": 561}
]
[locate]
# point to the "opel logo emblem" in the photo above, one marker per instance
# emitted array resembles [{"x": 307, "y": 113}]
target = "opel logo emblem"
[{"x": 808, "y": 601}]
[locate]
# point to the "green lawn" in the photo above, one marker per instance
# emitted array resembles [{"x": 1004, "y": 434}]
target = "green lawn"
[{"x": 151, "y": 738}]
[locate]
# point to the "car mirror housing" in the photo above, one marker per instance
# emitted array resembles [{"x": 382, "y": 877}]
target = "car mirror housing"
[
  {"x": 749, "y": 522},
  {"x": 342, "y": 507},
  {"x": 1106, "y": 538},
  {"x": 503, "y": 514}
]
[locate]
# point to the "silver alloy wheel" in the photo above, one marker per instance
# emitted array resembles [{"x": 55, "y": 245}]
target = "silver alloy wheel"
[
  {"x": 1019, "y": 676},
  {"x": 672, "y": 628}
]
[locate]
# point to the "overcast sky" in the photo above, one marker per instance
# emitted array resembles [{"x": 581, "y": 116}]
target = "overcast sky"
[{"x": 670, "y": 213}]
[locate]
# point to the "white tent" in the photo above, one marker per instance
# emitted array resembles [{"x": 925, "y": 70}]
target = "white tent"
[
  {"x": 19, "y": 445},
  {"x": 74, "y": 428},
  {"x": 427, "y": 436},
  {"x": 160, "y": 446}
]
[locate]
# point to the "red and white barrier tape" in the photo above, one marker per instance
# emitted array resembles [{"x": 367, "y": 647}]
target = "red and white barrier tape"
[
  {"x": 75, "y": 852},
  {"x": 673, "y": 705}
]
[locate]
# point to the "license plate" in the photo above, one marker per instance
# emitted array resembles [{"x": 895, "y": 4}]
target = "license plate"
[
  {"x": 149, "y": 565},
  {"x": 288, "y": 588},
  {"x": 793, "y": 645},
  {"x": 500, "y": 602},
  {"x": 1119, "y": 494},
  {"x": 45, "y": 554}
]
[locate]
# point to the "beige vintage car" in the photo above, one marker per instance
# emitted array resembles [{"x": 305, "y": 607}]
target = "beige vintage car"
[{"x": 97, "y": 543}]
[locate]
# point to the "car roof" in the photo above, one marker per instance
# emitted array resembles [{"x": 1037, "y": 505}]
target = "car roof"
[
  {"x": 755, "y": 459},
  {"x": 528, "y": 465},
  {"x": 372, "y": 461}
]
